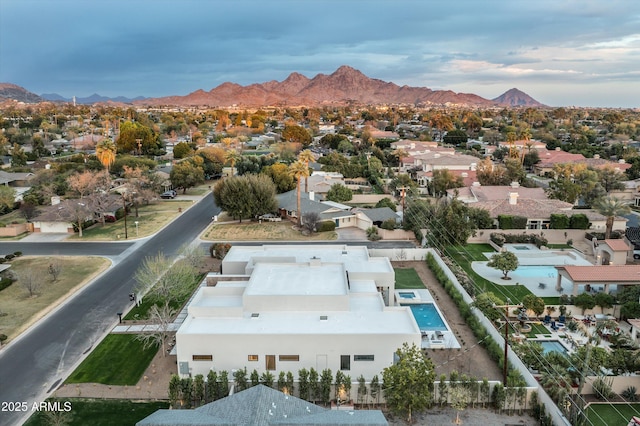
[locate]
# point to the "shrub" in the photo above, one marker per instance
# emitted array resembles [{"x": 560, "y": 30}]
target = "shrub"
[
  {"x": 500, "y": 239},
  {"x": 497, "y": 239},
  {"x": 559, "y": 221},
  {"x": 389, "y": 224},
  {"x": 219, "y": 250},
  {"x": 579, "y": 221},
  {"x": 5, "y": 282},
  {"x": 630, "y": 394},
  {"x": 512, "y": 222},
  {"x": 372, "y": 234},
  {"x": 17, "y": 253},
  {"x": 9, "y": 256},
  {"x": 602, "y": 388},
  {"x": 325, "y": 226}
]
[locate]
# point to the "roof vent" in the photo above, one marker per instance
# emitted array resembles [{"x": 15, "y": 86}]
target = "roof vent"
[
  {"x": 323, "y": 317},
  {"x": 255, "y": 315}
]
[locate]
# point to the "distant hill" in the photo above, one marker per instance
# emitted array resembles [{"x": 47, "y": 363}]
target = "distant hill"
[
  {"x": 345, "y": 85},
  {"x": 93, "y": 99},
  {"x": 515, "y": 97},
  {"x": 12, "y": 91}
]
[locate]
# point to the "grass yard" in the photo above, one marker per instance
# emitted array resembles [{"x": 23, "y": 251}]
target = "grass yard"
[
  {"x": 407, "y": 278},
  {"x": 22, "y": 310},
  {"x": 464, "y": 255},
  {"x": 119, "y": 359},
  {"x": 537, "y": 329},
  {"x": 252, "y": 231},
  {"x": 611, "y": 414},
  {"x": 13, "y": 217},
  {"x": 100, "y": 412},
  {"x": 151, "y": 218}
]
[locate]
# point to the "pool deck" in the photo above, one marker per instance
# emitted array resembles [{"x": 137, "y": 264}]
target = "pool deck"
[
  {"x": 430, "y": 339},
  {"x": 543, "y": 285}
]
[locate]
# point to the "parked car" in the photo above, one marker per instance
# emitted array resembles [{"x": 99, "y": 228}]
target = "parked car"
[{"x": 169, "y": 194}]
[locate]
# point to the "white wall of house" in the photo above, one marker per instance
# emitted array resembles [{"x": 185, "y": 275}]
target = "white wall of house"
[{"x": 53, "y": 227}]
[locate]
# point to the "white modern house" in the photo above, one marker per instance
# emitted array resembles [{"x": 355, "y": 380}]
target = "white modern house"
[{"x": 284, "y": 308}]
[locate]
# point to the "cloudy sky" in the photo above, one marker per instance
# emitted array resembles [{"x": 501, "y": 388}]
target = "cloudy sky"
[{"x": 561, "y": 52}]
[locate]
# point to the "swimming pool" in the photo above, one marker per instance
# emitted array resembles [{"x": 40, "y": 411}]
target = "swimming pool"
[
  {"x": 536, "y": 271},
  {"x": 552, "y": 346},
  {"x": 427, "y": 317},
  {"x": 407, "y": 295}
]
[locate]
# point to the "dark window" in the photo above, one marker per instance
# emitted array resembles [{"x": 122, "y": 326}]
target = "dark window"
[
  {"x": 289, "y": 358},
  {"x": 363, "y": 357},
  {"x": 345, "y": 362}
]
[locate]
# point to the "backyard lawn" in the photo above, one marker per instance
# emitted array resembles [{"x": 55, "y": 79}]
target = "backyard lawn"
[
  {"x": 100, "y": 412},
  {"x": 464, "y": 255},
  {"x": 407, "y": 278},
  {"x": 120, "y": 359},
  {"x": 611, "y": 414}
]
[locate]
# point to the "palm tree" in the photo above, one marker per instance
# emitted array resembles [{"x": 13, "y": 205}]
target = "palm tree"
[
  {"x": 232, "y": 157},
  {"x": 610, "y": 207},
  {"x": 106, "y": 152},
  {"x": 306, "y": 156},
  {"x": 298, "y": 170}
]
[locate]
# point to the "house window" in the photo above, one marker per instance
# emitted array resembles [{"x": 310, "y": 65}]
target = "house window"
[
  {"x": 202, "y": 357},
  {"x": 270, "y": 362},
  {"x": 252, "y": 357},
  {"x": 289, "y": 358},
  {"x": 363, "y": 357},
  {"x": 345, "y": 362}
]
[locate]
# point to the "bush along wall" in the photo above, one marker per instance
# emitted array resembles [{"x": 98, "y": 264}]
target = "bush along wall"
[{"x": 500, "y": 239}]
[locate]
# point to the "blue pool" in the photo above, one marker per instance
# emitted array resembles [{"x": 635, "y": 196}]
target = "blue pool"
[
  {"x": 407, "y": 295},
  {"x": 536, "y": 271},
  {"x": 552, "y": 346},
  {"x": 427, "y": 317}
]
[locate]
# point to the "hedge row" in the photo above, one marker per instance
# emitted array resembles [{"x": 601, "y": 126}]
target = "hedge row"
[
  {"x": 512, "y": 222},
  {"x": 500, "y": 239},
  {"x": 562, "y": 221},
  {"x": 494, "y": 350}
]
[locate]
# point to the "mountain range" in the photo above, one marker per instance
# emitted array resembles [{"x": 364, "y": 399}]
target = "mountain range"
[{"x": 345, "y": 85}]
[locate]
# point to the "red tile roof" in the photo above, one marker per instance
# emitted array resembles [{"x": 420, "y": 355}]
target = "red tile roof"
[
  {"x": 617, "y": 245},
  {"x": 614, "y": 274}
]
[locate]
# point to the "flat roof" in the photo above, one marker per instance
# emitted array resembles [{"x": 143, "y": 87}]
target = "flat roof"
[
  {"x": 397, "y": 320},
  {"x": 355, "y": 258},
  {"x": 294, "y": 279}
]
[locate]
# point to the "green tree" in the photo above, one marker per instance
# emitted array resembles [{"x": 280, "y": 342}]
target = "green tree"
[
  {"x": 326, "y": 378},
  {"x": 339, "y": 193},
  {"x": 584, "y": 301},
  {"x": 138, "y": 138},
  {"x": 533, "y": 303},
  {"x": 187, "y": 174},
  {"x": 604, "y": 300},
  {"x": 456, "y": 137},
  {"x": 459, "y": 397},
  {"x": 444, "y": 179},
  {"x": 408, "y": 384},
  {"x": 198, "y": 389},
  {"x": 303, "y": 384},
  {"x": 7, "y": 198},
  {"x": 279, "y": 174},
  {"x": 182, "y": 150},
  {"x": 18, "y": 157},
  {"x": 267, "y": 379},
  {"x": 505, "y": 261},
  {"x": 246, "y": 196},
  {"x": 610, "y": 207},
  {"x": 386, "y": 202},
  {"x": 446, "y": 220},
  {"x": 487, "y": 302}
]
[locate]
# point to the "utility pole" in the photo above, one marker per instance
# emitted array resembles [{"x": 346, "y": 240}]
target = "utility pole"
[
  {"x": 403, "y": 189},
  {"x": 124, "y": 206}
]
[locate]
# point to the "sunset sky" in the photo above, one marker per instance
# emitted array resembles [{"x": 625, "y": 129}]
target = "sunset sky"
[{"x": 562, "y": 53}]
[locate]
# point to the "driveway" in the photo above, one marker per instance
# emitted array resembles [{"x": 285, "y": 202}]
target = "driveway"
[
  {"x": 39, "y": 237},
  {"x": 351, "y": 234}
]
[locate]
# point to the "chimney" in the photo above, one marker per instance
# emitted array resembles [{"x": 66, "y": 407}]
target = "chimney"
[
  {"x": 515, "y": 184},
  {"x": 312, "y": 195},
  {"x": 55, "y": 200},
  {"x": 596, "y": 156},
  {"x": 475, "y": 184},
  {"x": 315, "y": 262},
  {"x": 513, "y": 198}
]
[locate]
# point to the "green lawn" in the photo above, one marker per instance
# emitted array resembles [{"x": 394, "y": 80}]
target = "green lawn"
[
  {"x": 537, "y": 329},
  {"x": 101, "y": 412},
  {"x": 464, "y": 255},
  {"x": 119, "y": 359},
  {"x": 407, "y": 278},
  {"x": 611, "y": 414},
  {"x": 141, "y": 312}
]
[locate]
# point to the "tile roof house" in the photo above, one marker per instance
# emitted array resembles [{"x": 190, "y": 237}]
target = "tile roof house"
[
  {"x": 261, "y": 405},
  {"x": 311, "y": 202}
]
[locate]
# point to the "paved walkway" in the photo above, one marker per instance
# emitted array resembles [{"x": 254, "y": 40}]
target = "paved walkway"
[{"x": 39, "y": 237}]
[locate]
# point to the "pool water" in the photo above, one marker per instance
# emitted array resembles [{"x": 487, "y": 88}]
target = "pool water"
[
  {"x": 427, "y": 317},
  {"x": 536, "y": 271},
  {"x": 406, "y": 294},
  {"x": 521, "y": 248},
  {"x": 553, "y": 346}
]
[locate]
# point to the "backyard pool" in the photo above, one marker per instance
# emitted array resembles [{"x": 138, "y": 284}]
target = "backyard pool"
[
  {"x": 427, "y": 317},
  {"x": 407, "y": 295},
  {"x": 553, "y": 346},
  {"x": 536, "y": 271}
]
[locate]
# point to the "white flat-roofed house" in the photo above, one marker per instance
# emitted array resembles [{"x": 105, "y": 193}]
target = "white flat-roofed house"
[{"x": 284, "y": 308}]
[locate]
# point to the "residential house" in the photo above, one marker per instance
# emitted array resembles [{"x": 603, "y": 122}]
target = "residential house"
[
  {"x": 283, "y": 308},
  {"x": 340, "y": 214},
  {"x": 367, "y": 218}
]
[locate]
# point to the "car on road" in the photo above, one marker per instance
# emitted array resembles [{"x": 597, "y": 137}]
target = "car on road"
[{"x": 171, "y": 194}]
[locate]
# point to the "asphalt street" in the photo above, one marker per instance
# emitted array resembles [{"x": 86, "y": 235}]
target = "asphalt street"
[{"x": 33, "y": 365}]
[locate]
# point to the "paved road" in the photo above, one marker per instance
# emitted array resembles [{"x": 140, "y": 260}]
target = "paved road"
[{"x": 35, "y": 363}]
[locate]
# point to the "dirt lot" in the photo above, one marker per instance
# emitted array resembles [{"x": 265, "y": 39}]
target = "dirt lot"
[{"x": 471, "y": 359}]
